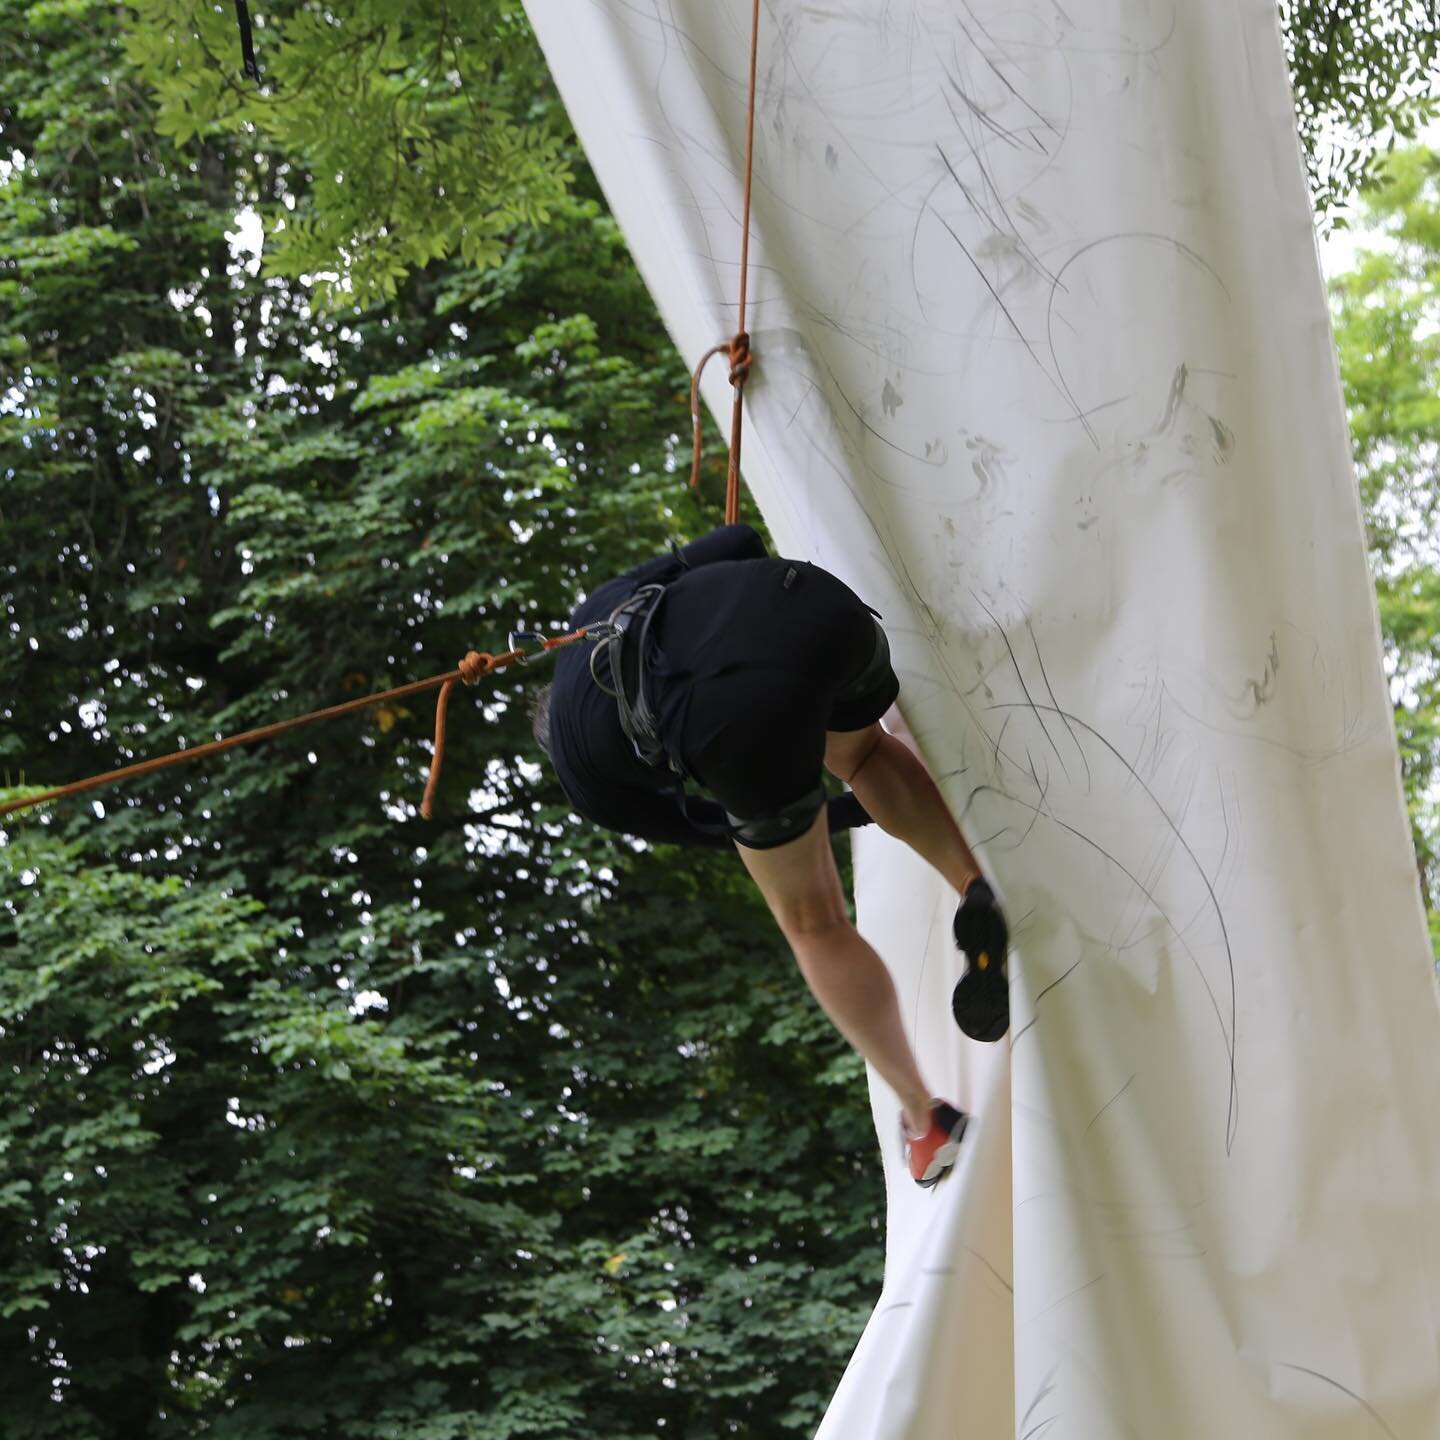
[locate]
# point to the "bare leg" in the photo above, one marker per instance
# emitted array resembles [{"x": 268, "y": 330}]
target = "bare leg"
[
  {"x": 802, "y": 888},
  {"x": 895, "y": 787}
]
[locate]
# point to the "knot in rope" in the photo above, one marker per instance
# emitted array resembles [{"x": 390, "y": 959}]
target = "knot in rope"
[
  {"x": 473, "y": 668},
  {"x": 739, "y": 352}
]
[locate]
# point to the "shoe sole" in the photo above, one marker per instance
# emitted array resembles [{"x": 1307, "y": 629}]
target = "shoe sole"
[{"x": 981, "y": 1003}]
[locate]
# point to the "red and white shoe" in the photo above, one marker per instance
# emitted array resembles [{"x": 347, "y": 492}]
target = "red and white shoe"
[{"x": 932, "y": 1155}]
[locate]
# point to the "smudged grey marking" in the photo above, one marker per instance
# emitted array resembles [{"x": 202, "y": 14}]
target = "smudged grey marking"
[
  {"x": 898, "y": 1305},
  {"x": 883, "y": 439},
  {"x": 1172, "y": 405},
  {"x": 784, "y": 28},
  {"x": 1070, "y": 49},
  {"x": 979, "y": 209},
  {"x": 1032, "y": 214},
  {"x": 1047, "y": 1387},
  {"x": 938, "y": 1270},
  {"x": 1360, "y": 1400},
  {"x": 1110, "y": 1102},
  {"x": 1263, "y": 689},
  {"x": 1157, "y": 239},
  {"x": 994, "y": 293},
  {"x": 988, "y": 455},
  {"x": 1086, "y": 524},
  {"x": 1229, "y": 1035},
  {"x": 1049, "y": 690},
  {"x": 1307, "y": 757},
  {"x": 1021, "y": 678},
  {"x": 890, "y": 399},
  {"x": 969, "y": 1250},
  {"x": 832, "y": 158},
  {"x": 1224, "y": 440}
]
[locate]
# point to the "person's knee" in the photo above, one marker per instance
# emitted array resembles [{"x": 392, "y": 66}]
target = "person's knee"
[{"x": 808, "y": 921}]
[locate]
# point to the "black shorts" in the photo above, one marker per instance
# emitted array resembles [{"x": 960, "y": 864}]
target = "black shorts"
[{"x": 758, "y": 661}]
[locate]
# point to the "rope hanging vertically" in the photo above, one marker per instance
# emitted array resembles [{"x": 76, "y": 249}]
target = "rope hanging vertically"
[{"x": 738, "y": 346}]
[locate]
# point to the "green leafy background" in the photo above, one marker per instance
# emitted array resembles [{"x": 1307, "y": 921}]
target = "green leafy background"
[{"x": 320, "y": 1120}]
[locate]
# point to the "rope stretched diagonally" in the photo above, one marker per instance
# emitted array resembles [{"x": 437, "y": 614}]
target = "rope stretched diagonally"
[
  {"x": 471, "y": 669},
  {"x": 477, "y": 664}
]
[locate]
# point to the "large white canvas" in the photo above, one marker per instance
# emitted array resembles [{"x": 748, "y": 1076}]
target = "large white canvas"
[{"x": 1044, "y": 370}]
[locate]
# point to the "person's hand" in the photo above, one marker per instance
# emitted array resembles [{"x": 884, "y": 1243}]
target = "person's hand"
[{"x": 981, "y": 1002}]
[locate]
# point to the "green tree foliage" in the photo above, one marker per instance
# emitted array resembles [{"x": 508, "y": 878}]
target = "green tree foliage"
[
  {"x": 1363, "y": 72},
  {"x": 1387, "y": 328},
  {"x": 322, "y": 1120},
  {"x": 416, "y": 143},
  {"x": 420, "y": 131}
]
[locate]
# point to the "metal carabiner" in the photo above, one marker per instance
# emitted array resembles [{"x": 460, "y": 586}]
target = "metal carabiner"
[{"x": 519, "y": 638}]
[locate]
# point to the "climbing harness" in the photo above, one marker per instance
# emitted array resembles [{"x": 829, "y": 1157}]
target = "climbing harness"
[{"x": 628, "y": 647}]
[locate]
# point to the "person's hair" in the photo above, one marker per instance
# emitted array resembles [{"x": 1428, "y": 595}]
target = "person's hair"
[{"x": 540, "y": 717}]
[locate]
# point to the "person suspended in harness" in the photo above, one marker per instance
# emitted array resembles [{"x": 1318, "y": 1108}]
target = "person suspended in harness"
[{"x": 724, "y": 670}]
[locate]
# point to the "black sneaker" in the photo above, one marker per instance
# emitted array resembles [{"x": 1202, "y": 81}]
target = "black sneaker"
[{"x": 981, "y": 1002}]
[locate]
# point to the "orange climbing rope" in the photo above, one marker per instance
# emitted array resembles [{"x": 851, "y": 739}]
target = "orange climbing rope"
[
  {"x": 468, "y": 672},
  {"x": 738, "y": 346},
  {"x": 476, "y": 664}
]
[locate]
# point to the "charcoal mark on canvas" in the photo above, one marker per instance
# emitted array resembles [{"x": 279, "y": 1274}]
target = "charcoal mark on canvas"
[
  {"x": 1360, "y": 1400},
  {"x": 1047, "y": 1387},
  {"x": 984, "y": 211},
  {"x": 1229, "y": 1033},
  {"x": 978, "y": 111},
  {"x": 1015, "y": 664},
  {"x": 1000, "y": 74},
  {"x": 1068, "y": 1295},
  {"x": 1110, "y": 1102},
  {"x": 1040, "y": 660},
  {"x": 1043, "y": 993},
  {"x": 1039, "y": 1428},
  {"x": 1136, "y": 235},
  {"x": 970, "y": 1250}
]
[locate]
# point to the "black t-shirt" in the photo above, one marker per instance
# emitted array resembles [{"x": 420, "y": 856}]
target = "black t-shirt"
[{"x": 596, "y": 764}]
